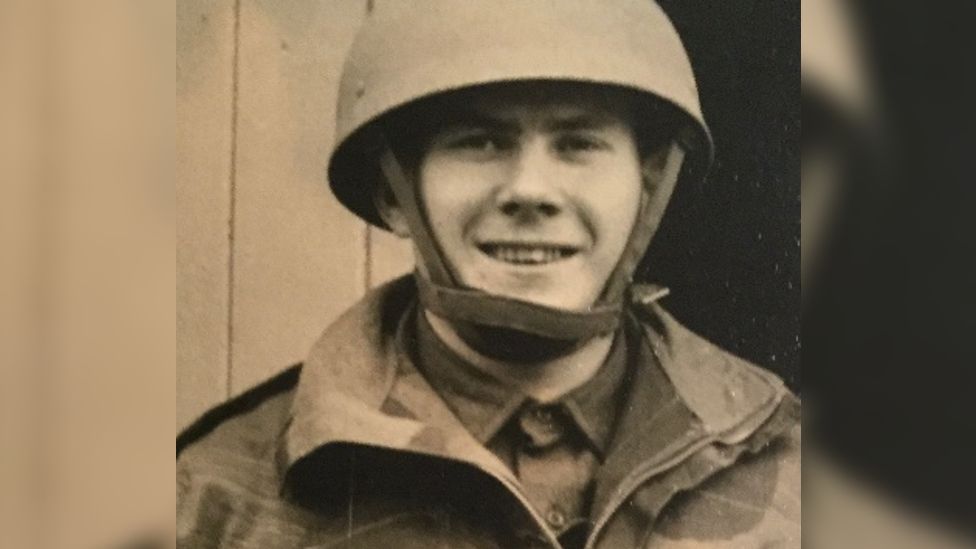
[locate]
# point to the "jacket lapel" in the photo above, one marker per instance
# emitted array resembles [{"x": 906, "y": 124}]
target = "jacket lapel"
[{"x": 344, "y": 382}]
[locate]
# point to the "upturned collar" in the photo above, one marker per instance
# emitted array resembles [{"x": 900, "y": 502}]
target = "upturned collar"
[{"x": 356, "y": 388}]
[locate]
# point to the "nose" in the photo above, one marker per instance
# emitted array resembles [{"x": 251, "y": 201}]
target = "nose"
[{"x": 531, "y": 190}]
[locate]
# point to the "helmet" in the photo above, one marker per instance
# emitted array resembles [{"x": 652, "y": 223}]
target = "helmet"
[{"x": 409, "y": 52}]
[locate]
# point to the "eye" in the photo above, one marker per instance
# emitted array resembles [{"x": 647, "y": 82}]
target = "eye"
[
  {"x": 579, "y": 143},
  {"x": 481, "y": 143}
]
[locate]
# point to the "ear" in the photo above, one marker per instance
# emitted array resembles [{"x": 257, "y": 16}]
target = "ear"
[
  {"x": 390, "y": 211},
  {"x": 654, "y": 164}
]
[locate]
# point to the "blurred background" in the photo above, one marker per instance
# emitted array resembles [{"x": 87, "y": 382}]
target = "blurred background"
[{"x": 889, "y": 273}]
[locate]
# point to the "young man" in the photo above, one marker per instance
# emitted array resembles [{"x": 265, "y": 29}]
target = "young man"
[{"x": 518, "y": 390}]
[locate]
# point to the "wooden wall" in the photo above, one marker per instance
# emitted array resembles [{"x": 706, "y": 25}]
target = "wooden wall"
[{"x": 266, "y": 257}]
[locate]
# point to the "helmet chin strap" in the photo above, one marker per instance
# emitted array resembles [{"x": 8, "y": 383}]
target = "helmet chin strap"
[{"x": 473, "y": 311}]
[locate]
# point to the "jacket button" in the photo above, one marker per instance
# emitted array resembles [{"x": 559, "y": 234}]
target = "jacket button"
[
  {"x": 556, "y": 518},
  {"x": 543, "y": 414}
]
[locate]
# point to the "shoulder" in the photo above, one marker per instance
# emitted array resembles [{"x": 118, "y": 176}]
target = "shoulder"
[
  {"x": 228, "y": 483},
  {"x": 755, "y": 503},
  {"x": 755, "y": 499},
  {"x": 244, "y": 429},
  {"x": 728, "y": 394}
]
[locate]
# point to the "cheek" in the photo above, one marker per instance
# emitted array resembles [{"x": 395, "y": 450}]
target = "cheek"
[
  {"x": 616, "y": 206},
  {"x": 451, "y": 196},
  {"x": 435, "y": 181}
]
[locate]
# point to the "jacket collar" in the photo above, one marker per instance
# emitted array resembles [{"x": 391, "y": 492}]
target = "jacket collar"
[{"x": 355, "y": 388}]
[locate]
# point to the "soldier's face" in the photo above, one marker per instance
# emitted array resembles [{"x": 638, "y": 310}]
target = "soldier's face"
[{"x": 533, "y": 199}]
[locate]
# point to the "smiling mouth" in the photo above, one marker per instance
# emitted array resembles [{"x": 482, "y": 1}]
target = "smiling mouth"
[{"x": 527, "y": 254}]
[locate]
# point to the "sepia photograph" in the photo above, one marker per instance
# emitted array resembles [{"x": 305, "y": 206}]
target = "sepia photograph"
[{"x": 488, "y": 274}]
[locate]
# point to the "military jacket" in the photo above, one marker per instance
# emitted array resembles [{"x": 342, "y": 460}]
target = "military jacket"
[{"x": 354, "y": 449}]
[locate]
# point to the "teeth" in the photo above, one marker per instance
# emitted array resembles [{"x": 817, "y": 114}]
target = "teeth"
[{"x": 530, "y": 255}]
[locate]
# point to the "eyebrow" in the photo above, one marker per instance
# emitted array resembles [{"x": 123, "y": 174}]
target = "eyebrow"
[
  {"x": 579, "y": 122},
  {"x": 465, "y": 118}
]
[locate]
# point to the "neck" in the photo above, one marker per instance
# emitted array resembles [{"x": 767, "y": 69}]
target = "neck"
[{"x": 546, "y": 379}]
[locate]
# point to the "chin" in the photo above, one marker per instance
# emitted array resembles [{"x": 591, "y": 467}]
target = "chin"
[
  {"x": 550, "y": 287},
  {"x": 554, "y": 299}
]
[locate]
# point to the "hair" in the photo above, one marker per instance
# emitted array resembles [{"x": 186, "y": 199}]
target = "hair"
[{"x": 410, "y": 128}]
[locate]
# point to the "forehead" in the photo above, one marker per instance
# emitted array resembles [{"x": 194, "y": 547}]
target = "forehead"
[
  {"x": 526, "y": 104},
  {"x": 411, "y": 128}
]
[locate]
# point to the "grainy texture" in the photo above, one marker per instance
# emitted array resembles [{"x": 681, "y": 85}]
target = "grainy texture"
[
  {"x": 350, "y": 452},
  {"x": 298, "y": 256},
  {"x": 204, "y": 80},
  {"x": 390, "y": 256},
  {"x": 266, "y": 256}
]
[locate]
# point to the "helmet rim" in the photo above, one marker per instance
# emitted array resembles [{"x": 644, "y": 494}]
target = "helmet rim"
[{"x": 353, "y": 174}]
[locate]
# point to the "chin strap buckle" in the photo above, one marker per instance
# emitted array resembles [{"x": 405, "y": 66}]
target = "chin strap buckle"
[{"x": 645, "y": 294}]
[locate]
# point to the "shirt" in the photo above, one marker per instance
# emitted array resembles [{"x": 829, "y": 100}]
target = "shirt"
[{"x": 554, "y": 449}]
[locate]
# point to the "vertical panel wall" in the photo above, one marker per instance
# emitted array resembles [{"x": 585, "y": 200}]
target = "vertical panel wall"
[
  {"x": 298, "y": 257},
  {"x": 204, "y": 98},
  {"x": 267, "y": 258}
]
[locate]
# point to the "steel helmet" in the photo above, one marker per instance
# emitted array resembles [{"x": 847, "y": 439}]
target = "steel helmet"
[{"x": 407, "y": 52}]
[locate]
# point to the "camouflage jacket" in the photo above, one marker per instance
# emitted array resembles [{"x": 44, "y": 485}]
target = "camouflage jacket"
[{"x": 354, "y": 449}]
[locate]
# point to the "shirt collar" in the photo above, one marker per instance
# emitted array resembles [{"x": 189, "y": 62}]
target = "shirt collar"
[
  {"x": 485, "y": 403},
  {"x": 596, "y": 404}
]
